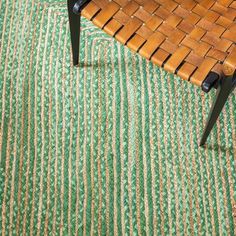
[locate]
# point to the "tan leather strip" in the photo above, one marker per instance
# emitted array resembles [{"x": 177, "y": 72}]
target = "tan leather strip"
[
  {"x": 136, "y": 42},
  {"x": 186, "y": 70},
  {"x": 112, "y": 27},
  {"x": 106, "y": 14},
  {"x": 159, "y": 57},
  {"x": 128, "y": 30},
  {"x": 229, "y": 66},
  {"x": 199, "y": 76},
  {"x": 152, "y": 44},
  {"x": 90, "y": 10},
  {"x": 177, "y": 58}
]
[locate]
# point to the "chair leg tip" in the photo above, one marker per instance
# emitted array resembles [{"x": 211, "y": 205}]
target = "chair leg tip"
[
  {"x": 76, "y": 63},
  {"x": 202, "y": 143}
]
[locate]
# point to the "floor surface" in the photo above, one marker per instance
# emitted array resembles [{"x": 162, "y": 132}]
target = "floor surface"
[{"x": 108, "y": 148}]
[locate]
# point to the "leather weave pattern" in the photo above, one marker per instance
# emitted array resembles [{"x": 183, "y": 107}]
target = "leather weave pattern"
[{"x": 187, "y": 37}]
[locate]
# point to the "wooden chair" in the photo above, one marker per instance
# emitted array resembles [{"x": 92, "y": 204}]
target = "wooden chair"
[{"x": 194, "y": 39}]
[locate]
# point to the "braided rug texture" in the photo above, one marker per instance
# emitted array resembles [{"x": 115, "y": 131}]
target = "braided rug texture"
[{"x": 110, "y": 148}]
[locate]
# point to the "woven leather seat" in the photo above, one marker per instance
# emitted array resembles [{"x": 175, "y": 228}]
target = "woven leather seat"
[
  {"x": 186, "y": 37},
  {"x": 195, "y": 39}
]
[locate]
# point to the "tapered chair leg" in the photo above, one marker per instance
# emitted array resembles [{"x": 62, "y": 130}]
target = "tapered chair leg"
[
  {"x": 223, "y": 92},
  {"x": 74, "y": 20}
]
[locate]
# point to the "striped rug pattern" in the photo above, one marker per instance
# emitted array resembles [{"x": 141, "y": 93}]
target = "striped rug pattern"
[{"x": 110, "y": 148}]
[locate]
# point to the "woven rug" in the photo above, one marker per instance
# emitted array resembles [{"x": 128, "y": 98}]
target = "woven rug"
[{"x": 109, "y": 148}]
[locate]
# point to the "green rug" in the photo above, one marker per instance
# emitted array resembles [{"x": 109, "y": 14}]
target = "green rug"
[{"x": 110, "y": 148}]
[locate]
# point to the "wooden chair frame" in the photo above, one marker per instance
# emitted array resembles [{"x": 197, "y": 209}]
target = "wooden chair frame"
[{"x": 224, "y": 85}]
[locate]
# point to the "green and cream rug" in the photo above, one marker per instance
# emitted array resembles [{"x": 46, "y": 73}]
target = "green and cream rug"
[{"x": 110, "y": 148}]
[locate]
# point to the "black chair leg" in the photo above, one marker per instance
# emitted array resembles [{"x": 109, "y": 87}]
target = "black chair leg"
[
  {"x": 74, "y": 20},
  {"x": 226, "y": 86}
]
